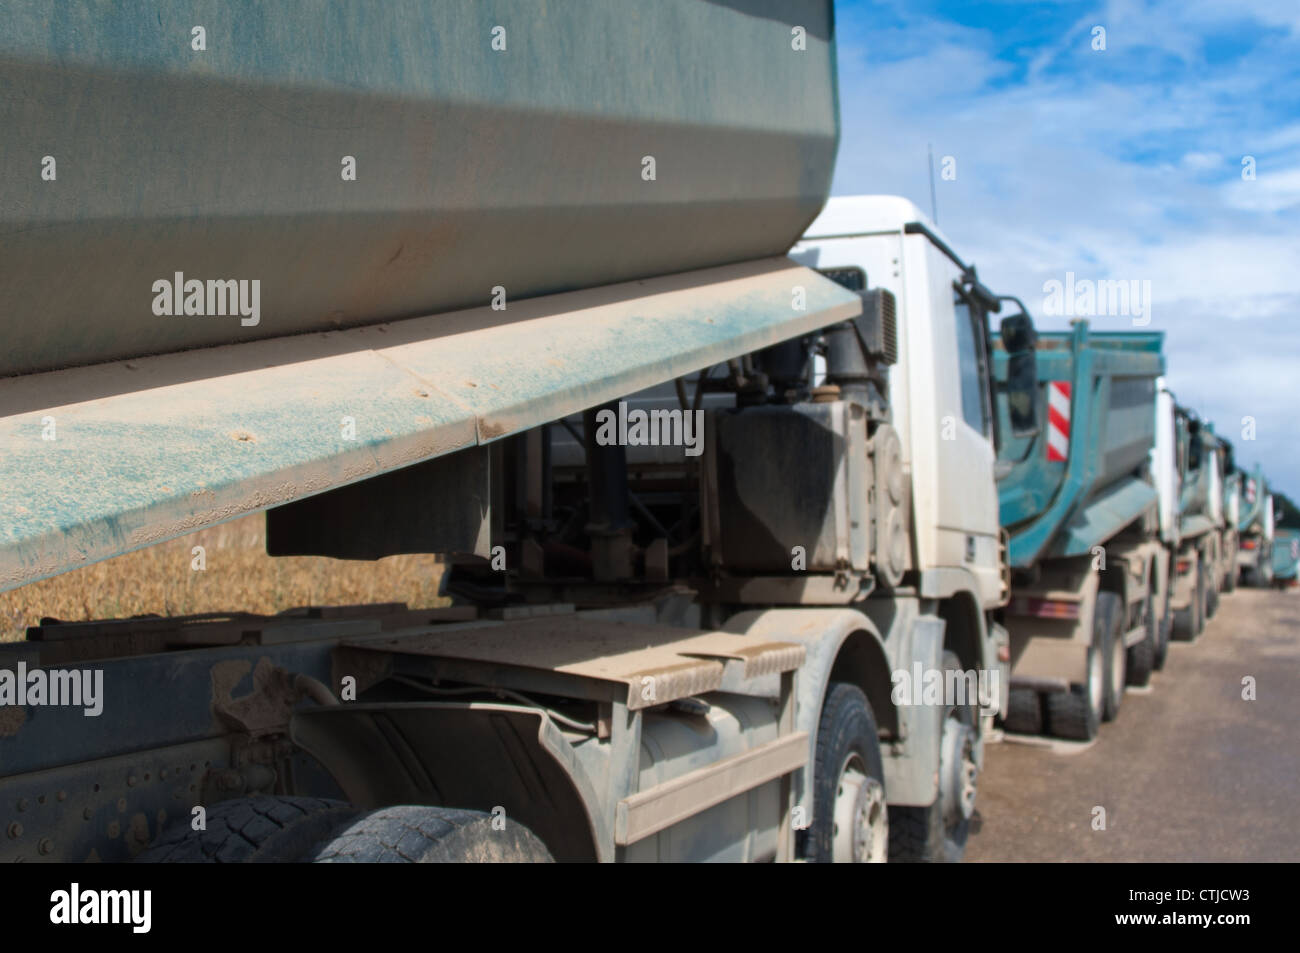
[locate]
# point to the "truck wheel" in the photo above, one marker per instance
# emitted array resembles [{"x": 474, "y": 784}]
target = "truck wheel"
[
  {"x": 420, "y": 834},
  {"x": 1076, "y": 714},
  {"x": 1111, "y": 607},
  {"x": 937, "y": 834},
  {"x": 1203, "y": 596},
  {"x": 1164, "y": 628},
  {"x": 261, "y": 829},
  {"x": 1024, "y": 712},
  {"x": 1188, "y": 622},
  {"x": 850, "y": 818},
  {"x": 1230, "y": 580},
  {"x": 1142, "y": 657},
  {"x": 1211, "y": 596}
]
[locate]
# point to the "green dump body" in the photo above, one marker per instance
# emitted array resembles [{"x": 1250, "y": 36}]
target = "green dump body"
[
  {"x": 1081, "y": 478},
  {"x": 1254, "y": 502},
  {"x": 496, "y": 145},
  {"x": 1286, "y": 555}
]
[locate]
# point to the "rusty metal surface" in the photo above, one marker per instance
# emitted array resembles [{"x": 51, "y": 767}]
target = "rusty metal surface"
[
  {"x": 640, "y": 665},
  {"x": 154, "y": 448}
]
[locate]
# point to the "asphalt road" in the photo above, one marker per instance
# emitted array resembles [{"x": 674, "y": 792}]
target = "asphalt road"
[{"x": 1188, "y": 772}]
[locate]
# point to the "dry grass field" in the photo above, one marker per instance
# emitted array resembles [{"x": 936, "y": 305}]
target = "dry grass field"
[{"x": 239, "y": 576}]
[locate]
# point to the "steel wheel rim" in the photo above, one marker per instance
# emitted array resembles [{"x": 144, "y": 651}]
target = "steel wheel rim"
[{"x": 860, "y": 826}]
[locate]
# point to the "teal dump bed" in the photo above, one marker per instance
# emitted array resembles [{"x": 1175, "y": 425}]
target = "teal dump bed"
[
  {"x": 1254, "y": 500},
  {"x": 1286, "y": 554},
  {"x": 368, "y": 161},
  {"x": 1080, "y": 478}
]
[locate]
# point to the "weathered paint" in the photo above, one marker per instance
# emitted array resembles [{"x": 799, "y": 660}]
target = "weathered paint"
[
  {"x": 153, "y": 448},
  {"x": 475, "y": 167}
]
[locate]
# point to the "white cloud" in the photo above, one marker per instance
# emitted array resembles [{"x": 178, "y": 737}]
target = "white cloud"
[{"x": 1075, "y": 169}]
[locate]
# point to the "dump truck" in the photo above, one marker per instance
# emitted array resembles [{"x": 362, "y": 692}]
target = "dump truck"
[
  {"x": 437, "y": 279},
  {"x": 1202, "y": 563},
  {"x": 1255, "y": 530},
  {"x": 1286, "y": 558},
  {"x": 1079, "y": 501},
  {"x": 1230, "y": 536}
]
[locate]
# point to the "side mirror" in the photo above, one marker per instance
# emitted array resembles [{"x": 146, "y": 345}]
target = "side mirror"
[{"x": 1020, "y": 340}]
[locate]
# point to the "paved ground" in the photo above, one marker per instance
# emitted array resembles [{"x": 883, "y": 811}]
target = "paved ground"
[{"x": 1189, "y": 771}]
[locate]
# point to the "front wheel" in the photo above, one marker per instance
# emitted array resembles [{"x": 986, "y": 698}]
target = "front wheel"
[
  {"x": 850, "y": 817},
  {"x": 938, "y": 833},
  {"x": 1111, "y": 608},
  {"x": 1142, "y": 657}
]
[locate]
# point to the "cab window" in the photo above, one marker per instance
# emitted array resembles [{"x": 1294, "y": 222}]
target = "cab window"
[{"x": 973, "y": 362}]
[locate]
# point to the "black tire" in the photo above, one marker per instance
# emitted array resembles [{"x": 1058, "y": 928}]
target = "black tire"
[
  {"x": 420, "y": 834},
  {"x": 1142, "y": 657},
  {"x": 1211, "y": 597},
  {"x": 1203, "y": 595},
  {"x": 263, "y": 829},
  {"x": 1188, "y": 622},
  {"x": 1111, "y": 607},
  {"x": 1230, "y": 579},
  {"x": 1165, "y": 629},
  {"x": 846, "y": 733},
  {"x": 1076, "y": 714},
  {"x": 935, "y": 834},
  {"x": 1024, "y": 712}
]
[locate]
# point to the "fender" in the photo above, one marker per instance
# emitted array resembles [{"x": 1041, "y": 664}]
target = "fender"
[{"x": 847, "y": 645}]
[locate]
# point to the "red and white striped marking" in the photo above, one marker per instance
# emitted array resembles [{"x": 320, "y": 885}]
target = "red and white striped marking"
[
  {"x": 1058, "y": 421},
  {"x": 1250, "y": 491}
]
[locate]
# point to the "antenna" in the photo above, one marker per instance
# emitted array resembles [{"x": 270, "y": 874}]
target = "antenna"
[{"x": 934, "y": 204}]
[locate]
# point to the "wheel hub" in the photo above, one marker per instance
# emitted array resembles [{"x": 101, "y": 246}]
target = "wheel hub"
[
  {"x": 959, "y": 780},
  {"x": 861, "y": 833}
]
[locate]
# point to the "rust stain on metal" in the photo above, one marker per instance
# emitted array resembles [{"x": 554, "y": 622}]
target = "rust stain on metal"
[
  {"x": 265, "y": 709},
  {"x": 11, "y": 720}
]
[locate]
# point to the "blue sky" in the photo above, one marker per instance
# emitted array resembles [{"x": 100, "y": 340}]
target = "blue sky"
[{"x": 1122, "y": 163}]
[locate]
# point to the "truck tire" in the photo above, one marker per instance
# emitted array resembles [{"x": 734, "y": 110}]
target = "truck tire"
[
  {"x": 264, "y": 829},
  {"x": 1203, "y": 587},
  {"x": 420, "y": 834},
  {"x": 937, "y": 834},
  {"x": 1076, "y": 714},
  {"x": 1166, "y": 630},
  {"x": 1111, "y": 607},
  {"x": 1142, "y": 657},
  {"x": 1211, "y": 596},
  {"x": 1188, "y": 622},
  {"x": 1024, "y": 712},
  {"x": 1230, "y": 578},
  {"x": 850, "y": 817}
]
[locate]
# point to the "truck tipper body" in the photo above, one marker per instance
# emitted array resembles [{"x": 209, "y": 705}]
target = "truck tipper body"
[
  {"x": 1231, "y": 535},
  {"x": 1202, "y": 563},
  {"x": 1079, "y": 498},
  {"x": 1255, "y": 530},
  {"x": 706, "y": 633},
  {"x": 1286, "y": 558}
]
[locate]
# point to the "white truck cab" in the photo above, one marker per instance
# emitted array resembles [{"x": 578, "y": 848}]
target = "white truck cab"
[{"x": 939, "y": 389}]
